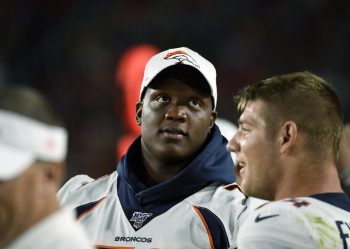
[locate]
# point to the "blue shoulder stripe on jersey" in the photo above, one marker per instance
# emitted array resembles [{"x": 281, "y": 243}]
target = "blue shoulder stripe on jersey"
[
  {"x": 216, "y": 228},
  {"x": 86, "y": 207},
  {"x": 340, "y": 200}
]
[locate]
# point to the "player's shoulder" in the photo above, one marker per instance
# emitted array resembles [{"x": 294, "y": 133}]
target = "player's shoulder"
[
  {"x": 303, "y": 208},
  {"x": 285, "y": 211},
  {"x": 224, "y": 199},
  {"x": 289, "y": 204},
  {"x": 217, "y": 192},
  {"x": 82, "y": 188},
  {"x": 273, "y": 225},
  {"x": 300, "y": 222},
  {"x": 224, "y": 204}
]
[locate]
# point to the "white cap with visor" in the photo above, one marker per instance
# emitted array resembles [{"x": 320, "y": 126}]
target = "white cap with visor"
[
  {"x": 184, "y": 56},
  {"x": 24, "y": 140}
]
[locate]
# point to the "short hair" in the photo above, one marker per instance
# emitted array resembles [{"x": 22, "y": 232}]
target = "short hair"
[
  {"x": 306, "y": 99},
  {"x": 30, "y": 103}
]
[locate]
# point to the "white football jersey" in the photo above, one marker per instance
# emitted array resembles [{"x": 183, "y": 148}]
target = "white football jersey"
[
  {"x": 207, "y": 219},
  {"x": 319, "y": 221}
]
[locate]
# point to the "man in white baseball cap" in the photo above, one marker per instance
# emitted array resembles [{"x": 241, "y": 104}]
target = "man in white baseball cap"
[
  {"x": 169, "y": 188},
  {"x": 190, "y": 60},
  {"x": 33, "y": 146}
]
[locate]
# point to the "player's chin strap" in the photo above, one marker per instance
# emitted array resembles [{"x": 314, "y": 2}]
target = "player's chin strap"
[{"x": 45, "y": 142}]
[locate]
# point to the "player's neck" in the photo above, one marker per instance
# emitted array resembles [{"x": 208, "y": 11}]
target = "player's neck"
[{"x": 319, "y": 179}]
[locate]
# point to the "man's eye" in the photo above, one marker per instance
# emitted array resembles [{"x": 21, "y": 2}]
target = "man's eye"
[
  {"x": 195, "y": 102},
  {"x": 243, "y": 128},
  {"x": 162, "y": 99}
]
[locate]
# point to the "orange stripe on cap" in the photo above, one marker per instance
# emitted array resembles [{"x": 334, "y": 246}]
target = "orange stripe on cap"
[
  {"x": 206, "y": 227},
  {"x": 174, "y": 53},
  {"x": 89, "y": 210}
]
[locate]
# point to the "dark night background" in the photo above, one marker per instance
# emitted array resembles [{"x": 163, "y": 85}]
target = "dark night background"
[{"x": 69, "y": 49}]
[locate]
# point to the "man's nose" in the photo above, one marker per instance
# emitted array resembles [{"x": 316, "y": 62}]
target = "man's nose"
[
  {"x": 233, "y": 144},
  {"x": 176, "y": 113}
]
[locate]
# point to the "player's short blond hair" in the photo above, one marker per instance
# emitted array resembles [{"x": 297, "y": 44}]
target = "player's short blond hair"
[{"x": 304, "y": 98}]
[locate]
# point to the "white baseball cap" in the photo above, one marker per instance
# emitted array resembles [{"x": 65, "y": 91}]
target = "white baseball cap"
[
  {"x": 184, "y": 56},
  {"x": 24, "y": 140}
]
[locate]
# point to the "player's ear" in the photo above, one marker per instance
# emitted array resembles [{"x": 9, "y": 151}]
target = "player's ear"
[
  {"x": 53, "y": 172},
  {"x": 288, "y": 136},
  {"x": 212, "y": 120},
  {"x": 139, "y": 106},
  {"x": 213, "y": 116}
]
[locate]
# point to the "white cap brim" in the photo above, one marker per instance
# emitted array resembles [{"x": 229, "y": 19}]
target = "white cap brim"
[
  {"x": 24, "y": 140},
  {"x": 13, "y": 161}
]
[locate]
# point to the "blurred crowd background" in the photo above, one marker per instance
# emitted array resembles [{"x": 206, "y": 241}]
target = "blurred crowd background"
[{"x": 71, "y": 51}]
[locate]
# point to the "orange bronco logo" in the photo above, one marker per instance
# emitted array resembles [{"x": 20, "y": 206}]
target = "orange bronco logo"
[{"x": 182, "y": 57}]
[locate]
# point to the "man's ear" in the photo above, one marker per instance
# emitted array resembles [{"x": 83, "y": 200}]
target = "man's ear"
[
  {"x": 213, "y": 116},
  {"x": 54, "y": 172},
  {"x": 288, "y": 136},
  {"x": 139, "y": 106}
]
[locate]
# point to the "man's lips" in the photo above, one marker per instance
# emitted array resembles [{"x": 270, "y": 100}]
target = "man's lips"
[
  {"x": 173, "y": 133},
  {"x": 239, "y": 167}
]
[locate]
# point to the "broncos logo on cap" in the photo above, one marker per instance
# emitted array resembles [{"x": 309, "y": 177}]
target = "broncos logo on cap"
[{"x": 182, "y": 57}]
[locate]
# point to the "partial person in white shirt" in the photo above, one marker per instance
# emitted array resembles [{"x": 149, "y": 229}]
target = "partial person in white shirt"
[
  {"x": 33, "y": 146},
  {"x": 287, "y": 148}
]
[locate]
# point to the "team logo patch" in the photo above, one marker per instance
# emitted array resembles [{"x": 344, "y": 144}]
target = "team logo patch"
[
  {"x": 182, "y": 57},
  {"x": 138, "y": 218}
]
